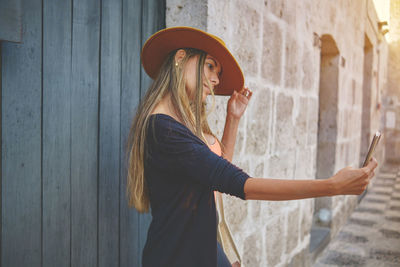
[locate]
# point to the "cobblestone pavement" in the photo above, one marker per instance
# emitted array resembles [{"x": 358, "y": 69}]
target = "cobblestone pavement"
[{"x": 371, "y": 236}]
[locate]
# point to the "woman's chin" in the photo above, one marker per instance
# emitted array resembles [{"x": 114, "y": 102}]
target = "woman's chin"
[{"x": 205, "y": 97}]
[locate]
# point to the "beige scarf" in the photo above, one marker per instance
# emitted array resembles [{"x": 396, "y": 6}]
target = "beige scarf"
[{"x": 224, "y": 235}]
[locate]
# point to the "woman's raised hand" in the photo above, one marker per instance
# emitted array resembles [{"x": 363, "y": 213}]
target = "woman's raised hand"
[
  {"x": 353, "y": 181},
  {"x": 238, "y": 101}
]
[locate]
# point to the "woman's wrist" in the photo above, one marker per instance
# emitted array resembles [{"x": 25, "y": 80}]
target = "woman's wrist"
[
  {"x": 331, "y": 186},
  {"x": 232, "y": 118}
]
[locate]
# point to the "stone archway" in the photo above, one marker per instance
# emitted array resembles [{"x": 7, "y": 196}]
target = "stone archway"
[{"x": 327, "y": 138}]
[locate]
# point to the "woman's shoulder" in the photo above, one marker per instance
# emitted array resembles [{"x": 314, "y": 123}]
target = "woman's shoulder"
[
  {"x": 164, "y": 121},
  {"x": 165, "y": 126}
]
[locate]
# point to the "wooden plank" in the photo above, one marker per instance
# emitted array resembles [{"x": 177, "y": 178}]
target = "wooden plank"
[
  {"x": 130, "y": 85},
  {"x": 109, "y": 148},
  {"x": 21, "y": 143},
  {"x": 56, "y": 132},
  {"x": 153, "y": 19},
  {"x": 1, "y": 161},
  {"x": 10, "y": 20},
  {"x": 84, "y": 132}
]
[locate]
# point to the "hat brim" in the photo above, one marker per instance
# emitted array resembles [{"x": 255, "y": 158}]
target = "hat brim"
[{"x": 160, "y": 44}]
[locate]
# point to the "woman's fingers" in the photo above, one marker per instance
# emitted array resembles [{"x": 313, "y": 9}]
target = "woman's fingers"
[
  {"x": 368, "y": 173},
  {"x": 251, "y": 93},
  {"x": 245, "y": 91},
  {"x": 355, "y": 181},
  {"x": 372, "y": 164}
]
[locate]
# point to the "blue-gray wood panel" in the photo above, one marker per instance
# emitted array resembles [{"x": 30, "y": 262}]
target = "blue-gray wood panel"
[
  {"x": 130, "y": 252},
  {"x": 109, "y": 128},
  {"x": 140, "y": 20},
  {"x": 64, "y": 131},
  {"x": 57, "y": 17},
  {"x": 10, "y": 20},
  {"x": 21, "y": 143},
  {"x": 84, "y": 132},
  {"x": 152, "y": 18},
  {"x": 1, "y": 162}
]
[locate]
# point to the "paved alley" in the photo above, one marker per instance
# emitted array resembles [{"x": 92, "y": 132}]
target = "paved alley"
[{"x": 371, "y": 237}]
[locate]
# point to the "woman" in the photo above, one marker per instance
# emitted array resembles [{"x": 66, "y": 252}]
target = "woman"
[{"x": 171, "y": 166}]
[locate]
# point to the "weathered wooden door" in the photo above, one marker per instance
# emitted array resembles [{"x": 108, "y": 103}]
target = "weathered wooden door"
[{"x": 68, "y": 94}]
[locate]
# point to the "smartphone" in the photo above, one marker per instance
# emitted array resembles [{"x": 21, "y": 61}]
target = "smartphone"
[{"x": 371, "y": 150}]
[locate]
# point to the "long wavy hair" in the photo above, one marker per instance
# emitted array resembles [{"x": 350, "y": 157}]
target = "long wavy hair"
[{"x": 190, "y": 110}]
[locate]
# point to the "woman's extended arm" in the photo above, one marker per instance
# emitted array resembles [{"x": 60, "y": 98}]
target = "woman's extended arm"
[{"x": 347, "y": 181}]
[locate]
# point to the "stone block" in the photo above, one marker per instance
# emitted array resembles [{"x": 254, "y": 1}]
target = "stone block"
[
  {"x": 291, "y": 74},
  {"x": 216, "y": 114},
  {"x": 301, "y": 259},
  {"x": 301, "y": 122},
  {"x": 256, "y": 210},
  {"x": 259, "y": 170},
  {"x": 252, "y": 255},
  {"x": 271, "y": 65},
  {"x": 347, "y": 123},
  {"x": 304, "y": 163},
  {"x": 339, "y": 217},
  {"x": 293, "y": 232},
  {"x": 242, "y": 162},
  {"x": 282, "y": 165},
  {"x": 306, "y": 222},
  {"x": 258, "y": 123},
  {"x": 239, "y": 139},
  {"x": 275, "y": 240},
  {"x": 310, "y": 70},
  {"x": 284, "y": 9},
  {"x": 218, "y": 19},
  {"x": 246, "y": 25},
  {"x": 236, "y": 211},
  {"x": 284, "y": 131},
  {"x": 186, "y": 13},
  {"x": 271, "y": 209},
  {"x": 312, "y": 124}
]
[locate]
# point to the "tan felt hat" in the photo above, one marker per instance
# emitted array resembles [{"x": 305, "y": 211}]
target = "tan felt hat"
[{"x": 160, "y": 44}]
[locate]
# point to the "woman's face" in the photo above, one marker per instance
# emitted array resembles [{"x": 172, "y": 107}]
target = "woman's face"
[{"x": 212, "y": 69}]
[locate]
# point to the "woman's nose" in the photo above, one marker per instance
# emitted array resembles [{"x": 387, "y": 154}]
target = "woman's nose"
[{"x": 214, "y": 79}]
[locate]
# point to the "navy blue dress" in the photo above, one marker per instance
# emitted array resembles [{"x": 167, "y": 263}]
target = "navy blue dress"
[{"x": 181, "y": 174}]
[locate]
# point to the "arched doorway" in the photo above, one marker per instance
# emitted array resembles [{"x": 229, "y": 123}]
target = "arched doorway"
[{"x": 327, "y": 139}]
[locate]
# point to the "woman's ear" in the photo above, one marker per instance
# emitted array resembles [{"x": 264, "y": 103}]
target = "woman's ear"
[{"x": 180, "y": 54}]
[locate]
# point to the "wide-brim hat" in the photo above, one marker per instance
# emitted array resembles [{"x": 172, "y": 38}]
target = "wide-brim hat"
[{"x": 160, "y": 44}]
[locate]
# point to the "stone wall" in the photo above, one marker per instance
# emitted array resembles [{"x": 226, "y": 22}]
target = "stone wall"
[
  {"x": 392, "y": 99},
  {"x": 278, "y": 45}
]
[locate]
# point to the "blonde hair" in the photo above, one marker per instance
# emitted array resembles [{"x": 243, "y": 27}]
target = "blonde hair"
[{"x": 191, "y": 111}]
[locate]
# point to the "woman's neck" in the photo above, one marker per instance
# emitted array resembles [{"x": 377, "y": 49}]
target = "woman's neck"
[{"x": 165, "y": 106}]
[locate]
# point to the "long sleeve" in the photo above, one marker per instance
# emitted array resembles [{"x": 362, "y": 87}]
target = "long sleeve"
[{"x": 182, "y": 153}]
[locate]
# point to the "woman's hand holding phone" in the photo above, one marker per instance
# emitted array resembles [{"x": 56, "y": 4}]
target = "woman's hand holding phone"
[{"x": 353, "y": 181}]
